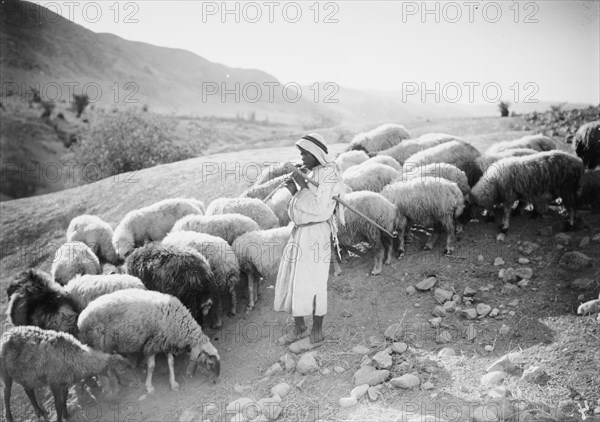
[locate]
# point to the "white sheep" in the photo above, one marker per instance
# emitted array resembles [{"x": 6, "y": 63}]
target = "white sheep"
[
  {"x": 586, "y": 143},
  {"x": 96, "y": 233},
  {"x": 272, "y": 171},
  {"x": 132, "y": 321},
  {"x": 221, "y": 258},
  {"x": 428, "y": 202},
  {"x": 372, "y": 176},
  {"x": 279, "y": 205},
  {"x": 263, "y": 190},
  {"x": 225, "y": 226},
  {"x": 259, "y": 254},
  {"x": 348, "y": 159},
  {"x": 531, "y": 178},
  {"x": 35, "y": 358},
  {"x": 404, "y": 150},
  {"x": 486, "y": 160},
  {"x": 74, "y": 258},
  {"x": 151, "y": 223},
  {"x": 382, "y": 137},
  {"x": 250, "y": 207},
  {"x": 356, "y": 229},
  {"x": 459, "y": 153},
  {"x": 384, "y": 159},
  {"x": 83, "y": 289},
  {"x": 440, "y": 170},
  {"x": 536, "y": 142}
]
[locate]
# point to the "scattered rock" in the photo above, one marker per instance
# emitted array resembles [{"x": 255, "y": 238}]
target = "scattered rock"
[
  {"x": 467, "y": 302},
  {"x": 270, "y": 407},
  {"x": 382, "y": 360},
  {"x": 509, "y": 275},
  {"x": 188, "y": 415},
  {"x": 410, "y": 290},
  {"x": 536, "y": 375},
  {"x": 508, "y": 289},
  {"x": 562, "y": 239},
  {"x": 498, "y": 261},
  {"x": 471, "y": 332},
  {"x": 274, "y": 369},
  {"x": 281, "y": 389},
  {"x": 439, "y": 311},
  {"x": 406, "y": 381},
  {"x": 574, "y": 261},
  {"x": 359, "y": 391},
  {"x": 523, "y": 261},
  {"x": 428, "y": 385},
  {"x": 469, "y": 313},
  {"x": 307, "y": 364},
  {"x": 338, "y": 369},
  {"x": 479, "y": 258},
  {"x": 504, "y": 364},
  {"x": 493, "y": 378},
  {"x": 376, "y": 341},
  {"x": 582, "y": 283},
  {"x": 596, "y": 238},
  {"x": 488, "y": 348},
  {"x": 483, "y": 309},
  {"x": 494, "y": 411},
  {"x": 417, "y": 305},
  {"x": 584, "y": 242},
  {"x": 370, "y": 375},
  {"x": 494, "y": 313},
  {"x": 426, "y": 284},
  {"x": 360, "y": 350},
  {"x": 501, "y": 272},
  {"x": 348, "y": 402},
  {"x": 435, "y": 322},
  {"x": 394, "y": 332},
  {"x": 450, "y": 307},
  {"x": 446, "y": 351},
  {"x": 399, "y": 347},
  {"x": 545, "y": 231},
  {"x": 242, "y": 389},
  {"x": 523, "y": 283},
  {"x": 243, "y": 405},
  {"x": 288, "y": 361},
  {"x": 499, "y": 393},
  {"x": 524, "y": 273},
  {"x": 442, "y": 295},
  {"x": 529, "y": 247},
  {"x": 365, "y": 361},
  {"x": 444, "y": 337},
  {"x": 373, "y": 393}
]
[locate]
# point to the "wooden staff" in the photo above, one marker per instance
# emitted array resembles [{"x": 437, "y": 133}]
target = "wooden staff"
[{"x": 338, "y": 199}]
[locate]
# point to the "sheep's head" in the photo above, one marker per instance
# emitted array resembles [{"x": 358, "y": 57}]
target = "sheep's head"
[
  {"x": 120, "y": 370},
  {"x": 123, "y": 243},
  {"x": 205, "y": 354}
]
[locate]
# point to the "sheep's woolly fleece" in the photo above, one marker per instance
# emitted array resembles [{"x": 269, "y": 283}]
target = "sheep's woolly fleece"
[
  {"x": 262, "y": 250},
  {"x": 529, "y": 178},
  {"x": 589, "y": 190},
  {"x": 370, "y": 176},
  {"x": 130, "y": 321},
  {"x": 94, "y": 232},
  {"x": 74, "y": 258},
  {"x": 458, "y": 153},
  {"x": 250, "y": 207},
  {"x": 152, "y": 223},
  {"x": 384, "y": 159},
  {"x": 441, "y": 170},
  {"x": 536, "y": 142},
  {"x": 382, "y": 137},
  {"x": 279, "y": 205},
  {"x": 348, "y": 159},
  {"x": 263, "y": 190},
  {"x": 225, "y": 226},
  {"x": 404, "y": 150},
  {"x": 84, "y": 289},
  {"x": 586, "y": 143},
  {"x": 272, "y": 171},
  {"x": 486, "y": 160}
]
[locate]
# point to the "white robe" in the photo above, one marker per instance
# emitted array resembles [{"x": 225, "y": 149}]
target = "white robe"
[{"x": 304, "y": 268}]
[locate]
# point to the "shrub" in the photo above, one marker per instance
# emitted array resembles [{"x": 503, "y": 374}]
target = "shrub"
[
  {"x": 503, "y": 106},
  {"x": 128, "y": 142},
  {"x": 79, "y": 103}
]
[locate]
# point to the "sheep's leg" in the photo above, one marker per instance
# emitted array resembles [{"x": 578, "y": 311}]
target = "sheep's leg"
[
  {"x": 56, "y": 393},
  {"x": 218, "y": 312},
  {"x": 401, "y": 241},
  {"x": 433, "y": 238},
  {"x": 386, "y": 241},
  {"x": 256, "y": 288},
  {"x": 233, "y": 296},
  {"x": 378, "y": 262},
  {"x": 39, "y": 411},
  {"x": 250, "y": 292},
  {"x": 151, "y": 363},
  {"x": 7, "y": 391},
  {"x": 505, "y": 222},
  {"x": 171, "y": 362},
  {"x": 451, "y": 229}
]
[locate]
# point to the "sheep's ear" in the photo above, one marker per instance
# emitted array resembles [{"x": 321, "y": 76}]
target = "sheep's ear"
[{"x": 205, "y": 307}]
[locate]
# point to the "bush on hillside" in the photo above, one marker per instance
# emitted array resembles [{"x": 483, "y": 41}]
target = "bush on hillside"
[
  {"x": 503, "y": 106},
  {"x": 128, "y": 142}
]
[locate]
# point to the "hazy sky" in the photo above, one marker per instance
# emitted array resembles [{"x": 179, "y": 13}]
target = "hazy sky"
[{"x": 547, "y": 50}]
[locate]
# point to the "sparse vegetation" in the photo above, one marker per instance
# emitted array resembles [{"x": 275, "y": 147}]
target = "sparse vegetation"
[
  {"x": 560, "y": 122},
  {"x": 79, "y": 103},
  {"x": 504, "y": 106},
  {"x": 48, "y": 107}
]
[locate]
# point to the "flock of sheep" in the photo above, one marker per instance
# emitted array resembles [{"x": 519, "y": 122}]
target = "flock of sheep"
[{"x": 178, "y": 263}]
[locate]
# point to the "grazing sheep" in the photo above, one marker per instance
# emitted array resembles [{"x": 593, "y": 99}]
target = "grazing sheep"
[
  {"x": 35, "y": 299},
  {"x": 486, "y": 160},
  {"x": 404, "y": 150},
  {"x": 356, "y": 229},
  {"x": 382, "y": 137},
  {"x": 132, "y": 321},
  {"x": 259, "y": 253},
  {"x": 83, "y": 289},
  {"x": 348, "y": 159},
  {"x": 428, "y": 202},
  {"x": 225, "y": 226},
  {"x": 35, "y": 358},
  {"x": 250, "y": 207},
  {"x": 586, "y": 143},
  {"x": 536, "y": 142},
  {"x": 384, "y": 159},
  {"x": 222, "y": 260},
  {"x": 74, "y": 258},
  {"x": 589, "y": 190},
  {"x": 262, "y": 191},
  {"x": 458, "y": 153},
  {"x": 178, "y": 271},
  {"x": 371, "y": 176},
  {"x": 151, "y": 223},
  {"x": 279, "y": 205},
  {"x": 441, "y": 170},
  {"x": 531, "y": 178},
  {"x": 97, "y": 234},
  {"x": 271, "y": 172}
]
